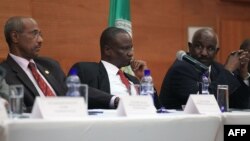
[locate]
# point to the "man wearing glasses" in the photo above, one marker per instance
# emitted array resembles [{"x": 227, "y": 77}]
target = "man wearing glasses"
[
  {"x": 183, "y": 79},
  {"x": 40, "y": 76}
]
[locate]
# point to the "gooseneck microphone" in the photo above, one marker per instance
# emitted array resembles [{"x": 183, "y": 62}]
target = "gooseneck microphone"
[{"x": 181, "y": 55}]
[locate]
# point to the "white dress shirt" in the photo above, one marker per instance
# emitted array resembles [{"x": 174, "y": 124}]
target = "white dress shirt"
[{"x": 117, "y": 88}]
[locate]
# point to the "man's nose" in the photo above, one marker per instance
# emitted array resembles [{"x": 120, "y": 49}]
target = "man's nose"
[
  {"x": 131, "y": 52},
  {"x": 204, "y": 51},
  {"x": 40, "y": 39}
]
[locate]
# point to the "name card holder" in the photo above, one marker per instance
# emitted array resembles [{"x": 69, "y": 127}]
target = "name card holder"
[
  {"x": 59, "y": 108},
  {"x": 136, "y": 106},
  {"x": 202, "y": 104}
]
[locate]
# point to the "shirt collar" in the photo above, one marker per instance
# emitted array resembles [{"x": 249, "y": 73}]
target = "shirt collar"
[
  {"x": 110, "y": 68},
  {"x": 21, "y": 61}
]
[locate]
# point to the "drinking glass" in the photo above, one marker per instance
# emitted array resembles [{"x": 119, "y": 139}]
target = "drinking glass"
[
  {"x": 134, "y": 89},
  {"x": 16, "y": 94},
  {"x": 222, "y": 97},
  {"x": 83, "y": 89}
]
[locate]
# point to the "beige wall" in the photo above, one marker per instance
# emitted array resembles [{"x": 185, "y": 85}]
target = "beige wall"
[{"x": 71, "y": 28}]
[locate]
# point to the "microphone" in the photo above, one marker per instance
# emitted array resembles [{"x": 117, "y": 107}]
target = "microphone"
[{"x": 181, "y": 55}]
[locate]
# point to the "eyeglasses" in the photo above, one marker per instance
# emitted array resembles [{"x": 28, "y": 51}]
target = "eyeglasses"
[{"x": 34, "y": 33}]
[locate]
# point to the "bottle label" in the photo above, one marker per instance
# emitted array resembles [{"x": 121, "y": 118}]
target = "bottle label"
[{"x": 147, "y": 89}]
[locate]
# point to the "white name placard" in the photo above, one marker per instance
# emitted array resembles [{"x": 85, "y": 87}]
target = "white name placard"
[
  {"x": 136, "y": 106},
  {"x": 202, "y": 104},
  {"x": 59, "y": 108}
]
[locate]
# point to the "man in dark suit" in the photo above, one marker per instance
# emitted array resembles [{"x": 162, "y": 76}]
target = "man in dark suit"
[
  {"x": 116, "y": 52},
  {"x": 24, "y": 39},
  {"x": 245, "y": 45},
  {"x": 182, "y": 79},
  {"x": 243, "y": 75}
]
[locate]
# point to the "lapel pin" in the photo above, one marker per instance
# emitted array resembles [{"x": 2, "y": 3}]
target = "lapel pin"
[{"x": 46, "y": 71}]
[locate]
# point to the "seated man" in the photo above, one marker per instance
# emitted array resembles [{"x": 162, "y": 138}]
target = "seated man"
[
  {"x": 242, "y": 73},
  {"x": 116, "y": 52},
  {"x": 246, "y": 47},
  {"x": 182, "y": 78},
  {"x": 40, "y": 76}
]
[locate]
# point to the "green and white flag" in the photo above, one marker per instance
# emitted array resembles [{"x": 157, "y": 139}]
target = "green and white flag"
[{"x": 119, "y": 16}]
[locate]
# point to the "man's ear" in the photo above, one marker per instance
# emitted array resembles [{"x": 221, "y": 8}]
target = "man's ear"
[
  {"x": 189, "y": 45},
  {"x": 217, "y": 49},
  {"x": 14, "y": 36},
  {"x": 107, "y": 50}
]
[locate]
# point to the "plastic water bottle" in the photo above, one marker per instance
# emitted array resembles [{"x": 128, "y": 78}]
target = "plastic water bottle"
[
  {"x": 204, "y": 85},
  {"x": 147, "y": 87},
  {"x": 73, "y": 83}
]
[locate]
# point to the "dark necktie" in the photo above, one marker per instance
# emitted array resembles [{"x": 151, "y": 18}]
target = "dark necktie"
[
  {"x": 124, "y": 79},
  {"x": 208, "y": 76},
  {"x": 41, "y": 83}
]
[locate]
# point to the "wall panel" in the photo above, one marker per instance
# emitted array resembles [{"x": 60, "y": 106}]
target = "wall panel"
[{"x": 71, "y": 28}]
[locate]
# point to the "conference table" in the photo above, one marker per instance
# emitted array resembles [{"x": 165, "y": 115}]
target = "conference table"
[
  {"x": 170, "y": 126},
  {"x": 106, "y": 127},
  {"x": 237, "y": 117}
]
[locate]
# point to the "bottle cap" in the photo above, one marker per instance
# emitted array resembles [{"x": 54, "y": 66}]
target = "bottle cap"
[
  {"x": 146, "y": 72},
  {"x": 73, "y": 71}
]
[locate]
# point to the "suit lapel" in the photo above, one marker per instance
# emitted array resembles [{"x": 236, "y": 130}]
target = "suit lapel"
[
  {"x": 22, "y": 76},
  {"x": 50, "y": 78},
  {"x": 103, "y": 80},
  {"x": 132, "y": 78}
]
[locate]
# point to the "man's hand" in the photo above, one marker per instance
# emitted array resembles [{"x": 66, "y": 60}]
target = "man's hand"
[
  {"x": 244, "y": 62},
  {"x": 138, "y": 66},
  {"x": 233, "y": 61}
]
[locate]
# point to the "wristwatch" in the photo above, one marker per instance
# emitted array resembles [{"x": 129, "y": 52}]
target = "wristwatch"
[{"x": 116, "y": 102}]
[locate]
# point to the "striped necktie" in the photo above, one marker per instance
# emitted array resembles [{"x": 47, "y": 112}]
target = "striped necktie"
[
  {"x": 41, "y": 83},
  {"x": 124, "y": 79}
]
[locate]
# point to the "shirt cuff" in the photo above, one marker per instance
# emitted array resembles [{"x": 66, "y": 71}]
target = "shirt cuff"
[
  {"x": 112, "y": 102},
  {"x": 246, "y": 82},
  {"x": 246, "y": 78}
]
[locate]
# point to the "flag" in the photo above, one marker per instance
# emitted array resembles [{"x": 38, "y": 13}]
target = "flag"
[{"x": 119, "y": 16}]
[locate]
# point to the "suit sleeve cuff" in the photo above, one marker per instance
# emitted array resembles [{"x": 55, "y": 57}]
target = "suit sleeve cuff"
[{"x": 112, "y": 102}]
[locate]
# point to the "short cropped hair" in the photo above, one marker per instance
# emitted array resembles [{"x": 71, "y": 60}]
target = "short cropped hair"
[
  {"x": 13, "y": 24},
  {"x": 108, "y": 35},
  {"x": 245, "y": 44}
]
